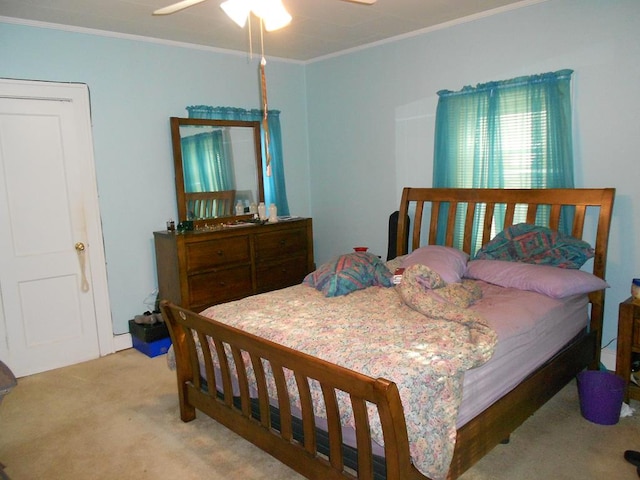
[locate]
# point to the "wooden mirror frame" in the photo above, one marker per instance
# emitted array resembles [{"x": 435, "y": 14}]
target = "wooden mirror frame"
[{"x": 176, "y": 123}]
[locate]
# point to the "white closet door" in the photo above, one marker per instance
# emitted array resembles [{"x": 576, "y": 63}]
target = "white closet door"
[{"x": 51, "y": 282}]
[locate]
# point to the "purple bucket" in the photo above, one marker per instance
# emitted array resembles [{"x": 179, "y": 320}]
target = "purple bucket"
[{"x": 601, "y": 394}]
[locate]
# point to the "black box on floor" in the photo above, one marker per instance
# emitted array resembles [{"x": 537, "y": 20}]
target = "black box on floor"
[{"x": 148, "y": 333}]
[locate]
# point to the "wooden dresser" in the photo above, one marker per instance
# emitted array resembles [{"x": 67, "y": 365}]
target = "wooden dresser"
[
  {"x": 628, "y": 343},
  {"x": 203, "y": 268}
]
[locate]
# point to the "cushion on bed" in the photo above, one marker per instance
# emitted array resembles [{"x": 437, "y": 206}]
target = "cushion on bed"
[
  {"x": 551, "y": 281},
  {"x": 348, "y": 273},
  {"x": 535, "y": 244},
  {"x": 450, "y": 263},
  {"x": 424, "y": 290}
]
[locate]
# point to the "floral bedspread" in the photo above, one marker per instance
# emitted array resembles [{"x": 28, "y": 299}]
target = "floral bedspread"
[{"x": 374, "y": 331}]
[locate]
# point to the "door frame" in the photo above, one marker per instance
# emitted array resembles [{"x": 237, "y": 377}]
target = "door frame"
[{"x": 78, "y": 94}]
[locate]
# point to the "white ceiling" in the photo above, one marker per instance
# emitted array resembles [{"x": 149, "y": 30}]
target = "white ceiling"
[{"x": 319, "y": 27}]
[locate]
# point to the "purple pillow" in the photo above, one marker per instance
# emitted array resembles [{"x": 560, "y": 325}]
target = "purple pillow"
[
  {"x": 551, "y": 281},
  {"x": 450, "y": 263}
]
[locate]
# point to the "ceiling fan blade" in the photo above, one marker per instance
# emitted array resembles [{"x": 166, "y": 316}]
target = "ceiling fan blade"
[
  {"x": 176, "y": 7},
  {"x": 366, "y": 2}
]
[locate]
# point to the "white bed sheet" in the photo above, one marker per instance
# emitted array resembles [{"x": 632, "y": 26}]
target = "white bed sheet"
[{"x": 544, "y": 325}]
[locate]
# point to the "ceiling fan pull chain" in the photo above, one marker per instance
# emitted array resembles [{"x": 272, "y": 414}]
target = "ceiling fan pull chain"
[
  {"x": 265, "y": 106},
  {"x": 250, "y": 38}
]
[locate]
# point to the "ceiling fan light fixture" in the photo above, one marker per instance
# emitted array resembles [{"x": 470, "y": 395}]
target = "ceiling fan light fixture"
[
  {"x": 272, "y": 12},
  {"x": 237, "y": 10}
]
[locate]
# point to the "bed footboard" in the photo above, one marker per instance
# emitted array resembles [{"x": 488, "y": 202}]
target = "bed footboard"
[{"x": 201, "y": 390}]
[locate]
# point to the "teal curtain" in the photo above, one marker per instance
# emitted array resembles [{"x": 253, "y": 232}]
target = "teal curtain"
[
  {"x": 506, "y": 134},
  {"x": 274, "y": 185},
  {"x": 207, "y": 162}
]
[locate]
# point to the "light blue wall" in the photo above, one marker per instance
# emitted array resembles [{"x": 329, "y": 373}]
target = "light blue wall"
[
  {"x": 356, "y": 128},
  {"x": 372, "y": 112},
  {"x": 135, "y": 86}
]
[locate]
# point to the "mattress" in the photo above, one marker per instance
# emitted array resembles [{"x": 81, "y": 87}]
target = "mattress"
[{"x": 531, "y": 328}]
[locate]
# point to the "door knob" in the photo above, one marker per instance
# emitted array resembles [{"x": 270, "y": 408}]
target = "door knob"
[{"x": 84, "y": 283}]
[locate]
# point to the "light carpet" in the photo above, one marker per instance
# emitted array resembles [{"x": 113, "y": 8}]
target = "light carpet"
[{"x": 117, "y": 418}]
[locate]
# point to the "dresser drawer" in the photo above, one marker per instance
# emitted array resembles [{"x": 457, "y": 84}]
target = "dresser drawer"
[
  {"x": 281, "y": 274},
  {"x": 214, "y": 253},
  {"x": 635, "y": 340},
  {"x": 280, "y": 244},
  {"x": 219, "y": 286},
  {"x": 203, "y": 268}
]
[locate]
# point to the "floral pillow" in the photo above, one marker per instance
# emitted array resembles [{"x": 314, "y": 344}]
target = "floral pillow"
[
  {"x": 348, "y": 273},
  {"x": 538, "y": 245}
]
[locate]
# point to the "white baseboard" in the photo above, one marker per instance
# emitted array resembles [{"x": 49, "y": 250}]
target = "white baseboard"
[
  {"x": 608, "y": 359},
  {"x": 122, "y": 342}
]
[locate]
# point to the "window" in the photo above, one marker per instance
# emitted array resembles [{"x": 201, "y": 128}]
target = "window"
[{"x": 506, "y": 134}]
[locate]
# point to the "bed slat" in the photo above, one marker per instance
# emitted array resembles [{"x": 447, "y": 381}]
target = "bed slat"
[
  {"x": 554, "y": 217},
  {"x": 193, "y": 354},
  {"x": 308, "y": 417},
  {"x": 509, "y": 214},
  {"x": 333, "y": 423},
  {"x": 243, "y": 383},
  {"x": 284, "y": 402},
  {"x": 578, "y": 221},
  {"x": 224, "y": 371},
  {"x": 208, "y": 362},
  {"x": 451, "y": 223},
  {"x": 433, "y": 226},
  {"x": 263, "y": 394},
  {"x": 468, "y": 226},
  {"x": 488, "y": 222},
  {"x": 363, "y": 438}
]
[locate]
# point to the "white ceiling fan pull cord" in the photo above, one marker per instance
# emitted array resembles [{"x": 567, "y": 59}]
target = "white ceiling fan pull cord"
[
  {"x": 250, "y": 38},
  {"x": 265, "y": 103}
]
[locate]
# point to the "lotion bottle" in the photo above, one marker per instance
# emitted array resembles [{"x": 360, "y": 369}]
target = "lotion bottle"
[
  {"x": 262, "y": 211},
  {"x": 273, "y": 213}
]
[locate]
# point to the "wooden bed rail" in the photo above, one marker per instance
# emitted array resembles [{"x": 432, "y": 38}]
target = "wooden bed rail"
[{"x": 201, "y": 390}]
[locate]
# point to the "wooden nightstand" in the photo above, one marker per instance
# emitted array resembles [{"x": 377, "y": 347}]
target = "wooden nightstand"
[{"x": 628, "y": 342}]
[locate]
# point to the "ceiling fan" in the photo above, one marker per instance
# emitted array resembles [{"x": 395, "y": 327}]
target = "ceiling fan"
[
  {"x": 176, "y": 7},
  {"x": 273, "y": 16}
]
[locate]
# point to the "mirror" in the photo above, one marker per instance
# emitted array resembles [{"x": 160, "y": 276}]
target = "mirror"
[{"x": 218, "y": 163}]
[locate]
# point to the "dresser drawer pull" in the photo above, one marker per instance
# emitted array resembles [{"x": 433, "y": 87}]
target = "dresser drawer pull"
[
  {"x": 283, "y": 242},
  {"x": 220, "y": 253}
]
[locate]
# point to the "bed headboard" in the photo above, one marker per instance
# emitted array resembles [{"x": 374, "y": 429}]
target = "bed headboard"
[{"x": 450, "y": 203}]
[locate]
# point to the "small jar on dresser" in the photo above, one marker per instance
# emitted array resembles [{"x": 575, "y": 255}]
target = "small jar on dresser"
[
  {"x": 198, "y": 269},
  {"x": 628, "y": 343}
]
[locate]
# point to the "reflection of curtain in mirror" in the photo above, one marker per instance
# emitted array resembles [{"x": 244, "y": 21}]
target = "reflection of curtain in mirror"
[
  {"x": 207, "y": 162},
  {"x": 274, "y": 186}
]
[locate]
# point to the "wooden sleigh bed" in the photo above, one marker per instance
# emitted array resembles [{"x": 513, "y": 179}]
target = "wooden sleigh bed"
[{"x": 290, "y": 430}]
